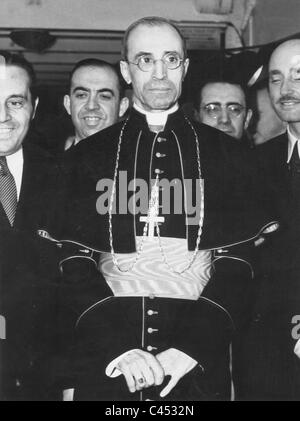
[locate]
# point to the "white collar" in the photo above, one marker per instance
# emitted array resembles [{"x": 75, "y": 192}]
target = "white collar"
[
  {"x": 156, "y": 119},
  {"x": 15, "y": 163},
  {"x": 291, "y": 144}
]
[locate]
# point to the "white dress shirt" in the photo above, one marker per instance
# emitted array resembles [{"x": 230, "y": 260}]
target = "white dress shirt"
[{"x": 15, "y": 163}]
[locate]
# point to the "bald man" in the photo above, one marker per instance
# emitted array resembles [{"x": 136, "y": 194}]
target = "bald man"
[{"x": 270, "y": 368}]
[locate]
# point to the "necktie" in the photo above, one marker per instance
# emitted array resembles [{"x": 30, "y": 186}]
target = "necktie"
[
  {"x": 294, "y": 165},
  {"x": 8, "y": 191}
]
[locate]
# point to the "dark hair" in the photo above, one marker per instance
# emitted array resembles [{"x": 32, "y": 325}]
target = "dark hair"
[
  {"x": 151, "y": 21},
  {"x": 221, "y": 79},
  {"x": 12, "y": 59},
  {"x": 95, "y": 62}
]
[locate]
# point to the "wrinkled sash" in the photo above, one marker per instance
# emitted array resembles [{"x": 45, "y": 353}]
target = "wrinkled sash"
[{"x": 151, "y": 275}]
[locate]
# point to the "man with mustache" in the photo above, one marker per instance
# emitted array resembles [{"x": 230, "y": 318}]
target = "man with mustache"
[
  {"x": 96, "y": 99},
  {"x": 270, "y": 366},
  {"x": 164, "y": 290}
]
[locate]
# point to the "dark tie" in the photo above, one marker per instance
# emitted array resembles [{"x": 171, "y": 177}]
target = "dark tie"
[
  {"x": 294, "y": 165},
  {"x": 8, "y": 191}
]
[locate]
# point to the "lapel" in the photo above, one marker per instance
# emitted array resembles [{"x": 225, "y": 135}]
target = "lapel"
[
  {"x": 3, "y": 218},
  {"x": 35, "y": 185},
  {"x": 27, "y": 191}
]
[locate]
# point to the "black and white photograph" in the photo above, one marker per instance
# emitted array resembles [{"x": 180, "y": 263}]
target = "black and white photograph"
[{"x": 149, "y": 203}]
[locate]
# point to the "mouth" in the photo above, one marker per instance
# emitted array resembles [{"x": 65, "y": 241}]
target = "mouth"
[
  {"x": 159, "y": 89},
  {"x": 92, "y": 121},
  {"x": 5, "y": 131},
  {"x": 289, "y": 103},
  {"x": 225, "y": 129}
]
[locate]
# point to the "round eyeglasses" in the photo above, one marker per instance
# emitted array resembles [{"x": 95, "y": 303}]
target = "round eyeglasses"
[
  {"x": 215, "y": 110},
  {"x": 146, "y": 62}
]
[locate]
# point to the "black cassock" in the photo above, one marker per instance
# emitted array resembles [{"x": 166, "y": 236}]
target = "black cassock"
[{"x": 107, "y": 326}]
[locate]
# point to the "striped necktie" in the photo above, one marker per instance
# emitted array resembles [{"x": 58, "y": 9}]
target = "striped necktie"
[{"x": 8, "y": 191}]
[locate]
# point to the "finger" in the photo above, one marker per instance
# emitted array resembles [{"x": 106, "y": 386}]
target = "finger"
[
  {"x": 139, "y": 378},
  {"x": 147, "y": 372},
  {"x": 170, "y": 386},
  {"x": 124, "y": 368},
  {"x": 156, "y": 368}
]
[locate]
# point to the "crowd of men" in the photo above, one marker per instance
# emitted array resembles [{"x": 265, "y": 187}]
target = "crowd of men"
[{"x": 156, "y": 257}]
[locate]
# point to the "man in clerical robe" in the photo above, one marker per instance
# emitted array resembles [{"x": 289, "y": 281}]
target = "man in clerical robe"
[{"x": 156, "y": 292}]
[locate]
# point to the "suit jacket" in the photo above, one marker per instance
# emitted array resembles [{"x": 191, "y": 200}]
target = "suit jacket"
[
  {"x": 267, "y": 368},
  {"x": 27, "y": 281}
]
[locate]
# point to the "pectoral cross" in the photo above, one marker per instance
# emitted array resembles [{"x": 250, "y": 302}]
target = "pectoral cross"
[{"x": 152, "y": 218}]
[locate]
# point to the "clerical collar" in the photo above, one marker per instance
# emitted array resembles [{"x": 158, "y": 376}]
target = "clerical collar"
[
  {"x": 291, "y": 144},
  {"x": 157, "y": 119}
]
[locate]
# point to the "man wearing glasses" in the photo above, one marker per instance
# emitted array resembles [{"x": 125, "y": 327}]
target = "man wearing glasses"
[
  {"x": 164, "y": 294},
  {"x": 223, "y": 104}
]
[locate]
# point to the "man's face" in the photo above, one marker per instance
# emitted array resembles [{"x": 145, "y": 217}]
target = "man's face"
[
  {"x": 94, "y": 100},
  {"x": 16, "y": 109},
  {"x": 284, "y": 81},
  {"x": 160, "y": 88},
  {"x": 269, "y": 124},
  {"x": 223, "y": 106}
]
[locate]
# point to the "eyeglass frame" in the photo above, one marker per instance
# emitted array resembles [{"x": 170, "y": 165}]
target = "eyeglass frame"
[
  {"x": 221, "y": 107},
  {"x": 181, "y": 60}
]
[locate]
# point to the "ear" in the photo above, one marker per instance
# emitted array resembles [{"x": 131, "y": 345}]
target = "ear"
[
  {"x": 186, "y": 66},
  {"x": 248, "y": 119},
  {"x": 67, "y": 104},
  {"x": 124, "y": 104},
  {"x": 124, "y": 68},
  {"x": 36, "y": 103}
]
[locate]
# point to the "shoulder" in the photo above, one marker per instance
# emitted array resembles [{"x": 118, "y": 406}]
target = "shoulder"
[
  {"x": 273, "y": 144},
  {"x": 273, "y": 150},
  {"x": 215, "y": 136},
  {"x": 36, "y": 155},
  {"x": 218, "y": 144}
]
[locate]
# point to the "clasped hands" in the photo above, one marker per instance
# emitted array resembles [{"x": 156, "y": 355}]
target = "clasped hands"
[{"x": 142, "y": 369}]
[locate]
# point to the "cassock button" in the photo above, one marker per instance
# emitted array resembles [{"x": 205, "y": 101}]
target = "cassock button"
[
  {"x": 151, "y": 330},
  {"x": 160, "y": 155},
  {"x": 158, "y": 171},
  {"x": 151, "y": 312},
  {"x": 161, "y": 139},
  {"x": 151, "y": 348}
]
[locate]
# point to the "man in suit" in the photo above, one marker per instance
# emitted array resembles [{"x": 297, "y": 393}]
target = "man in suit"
[
  {"x": 269, "y": 369},
  {"x": 167, "y": 290},
  {"x": 28, "y": 199}
]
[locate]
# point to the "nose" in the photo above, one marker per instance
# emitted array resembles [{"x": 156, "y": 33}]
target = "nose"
[
  {"x": 92, "y": 103},
  {"x": 224, "y": 116},
  {"x": 4, "y": 114},
  {"x": 159, "y": 70},
  {"x": 286, "y": 87}
]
